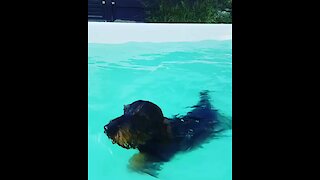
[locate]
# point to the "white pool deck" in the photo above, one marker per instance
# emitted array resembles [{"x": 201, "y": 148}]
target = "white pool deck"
[{"x": 116, "y": 33}]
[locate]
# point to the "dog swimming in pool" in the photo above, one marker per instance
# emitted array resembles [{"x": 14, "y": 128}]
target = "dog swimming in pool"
[{"x": 158, "y": 138}]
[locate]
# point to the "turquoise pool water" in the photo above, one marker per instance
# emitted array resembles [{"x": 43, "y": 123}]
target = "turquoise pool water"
[{"x": 171, "y": 75}]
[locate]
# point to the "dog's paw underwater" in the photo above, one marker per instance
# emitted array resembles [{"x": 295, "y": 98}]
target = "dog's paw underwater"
[{"x": 158, "y": 139}]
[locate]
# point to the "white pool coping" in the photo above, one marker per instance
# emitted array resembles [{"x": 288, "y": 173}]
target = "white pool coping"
[{"x": 115, "y": 33}]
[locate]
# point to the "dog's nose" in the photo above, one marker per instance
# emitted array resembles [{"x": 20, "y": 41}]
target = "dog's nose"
[{"x": 105, "y": 128}]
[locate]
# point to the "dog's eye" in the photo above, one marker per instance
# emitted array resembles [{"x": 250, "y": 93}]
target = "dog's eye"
[{"x": 125, "y": 108}]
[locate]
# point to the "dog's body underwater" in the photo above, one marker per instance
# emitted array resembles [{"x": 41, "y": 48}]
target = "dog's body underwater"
[{"x": 158, "y": 139}]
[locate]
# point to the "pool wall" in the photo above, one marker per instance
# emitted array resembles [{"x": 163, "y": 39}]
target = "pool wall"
[{"x": 115, "y": 33}]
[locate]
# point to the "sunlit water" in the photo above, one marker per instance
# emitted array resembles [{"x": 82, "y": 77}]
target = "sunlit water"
[{"x": 170, "y": 75}]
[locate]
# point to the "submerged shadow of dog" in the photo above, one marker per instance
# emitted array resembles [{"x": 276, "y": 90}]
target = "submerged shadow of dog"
[{"x": 158, "y": 139}]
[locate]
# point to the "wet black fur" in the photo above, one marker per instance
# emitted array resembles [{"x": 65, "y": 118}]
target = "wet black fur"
[{"x": 168, "y": 135}]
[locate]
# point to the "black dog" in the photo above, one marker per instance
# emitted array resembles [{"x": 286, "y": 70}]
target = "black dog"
[{"x": 143, "y": 127}]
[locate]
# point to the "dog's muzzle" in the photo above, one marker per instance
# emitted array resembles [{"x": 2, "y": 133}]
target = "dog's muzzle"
[
  {"x": 112, "y": 127},
  {"x": 105, "y": 129}
]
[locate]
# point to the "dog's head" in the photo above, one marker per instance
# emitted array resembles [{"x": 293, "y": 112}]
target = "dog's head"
[{"x": 142, "y": 121}]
